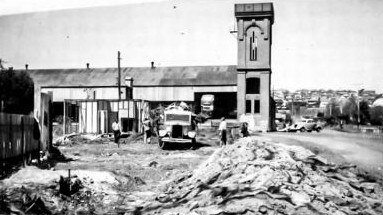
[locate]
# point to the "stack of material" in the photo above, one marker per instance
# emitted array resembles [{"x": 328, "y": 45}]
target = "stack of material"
[{"x": 259, "y": 177}]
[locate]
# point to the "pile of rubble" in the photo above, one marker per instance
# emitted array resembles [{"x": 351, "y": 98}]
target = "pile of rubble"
[
  {"x": 251, "y": 176},
  {"x": 259, "y": 177}
]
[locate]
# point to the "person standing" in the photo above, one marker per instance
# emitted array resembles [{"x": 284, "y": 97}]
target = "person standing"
[
  {"x": 244, "y": 130},
  {"x": 116, "y": 132},
  {"x": 222, "y": 131},
  {"x": 147, "y": 130}
]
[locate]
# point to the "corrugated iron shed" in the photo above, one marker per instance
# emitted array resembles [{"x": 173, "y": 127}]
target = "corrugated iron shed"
[{"x": 143, "y": 76}]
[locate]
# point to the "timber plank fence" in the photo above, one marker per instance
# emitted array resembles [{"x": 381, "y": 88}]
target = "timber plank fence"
[{"x": 18, "y": 138}]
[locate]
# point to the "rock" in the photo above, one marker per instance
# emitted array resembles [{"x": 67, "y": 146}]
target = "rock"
[
  {"x": 300, "y": 198},
  {"x": 262, "y": 209},
  {"x": 368, "y": 187},
  {"x": 193, "y": 205},
  {"x": 153, "y": 164}
]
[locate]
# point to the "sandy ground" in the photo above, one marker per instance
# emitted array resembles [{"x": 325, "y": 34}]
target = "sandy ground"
[{"x": 364, "y": 150}]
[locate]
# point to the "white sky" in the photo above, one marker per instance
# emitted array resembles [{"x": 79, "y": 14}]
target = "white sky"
[{"x": 316, "y": 43}]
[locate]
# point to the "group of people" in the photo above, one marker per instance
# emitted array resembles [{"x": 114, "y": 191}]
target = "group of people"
[
  {"x": 222, "y": 129},
  {"x": 148, "y": 124}
]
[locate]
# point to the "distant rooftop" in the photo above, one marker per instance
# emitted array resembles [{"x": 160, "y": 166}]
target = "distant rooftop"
[{"x": 142, "y": 76}]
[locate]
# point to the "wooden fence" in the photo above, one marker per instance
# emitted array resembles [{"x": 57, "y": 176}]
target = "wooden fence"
[{"x": 17, "y": 137}]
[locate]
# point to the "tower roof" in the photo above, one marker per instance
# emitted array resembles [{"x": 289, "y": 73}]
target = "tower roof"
[{"x": 255, "y": 10}]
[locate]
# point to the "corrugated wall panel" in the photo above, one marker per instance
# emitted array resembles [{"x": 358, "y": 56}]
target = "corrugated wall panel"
[
  {"x": 88, "y": 117},
  {"x": 94, "y": 117},
  {"x": 16, "y": 137}
]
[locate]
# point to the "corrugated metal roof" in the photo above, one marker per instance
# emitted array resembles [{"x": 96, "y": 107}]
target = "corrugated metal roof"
[{"x": 142, "y": 76}]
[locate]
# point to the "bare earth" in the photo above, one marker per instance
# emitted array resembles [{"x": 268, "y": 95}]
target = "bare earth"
[{"x": 121, "y": 180}]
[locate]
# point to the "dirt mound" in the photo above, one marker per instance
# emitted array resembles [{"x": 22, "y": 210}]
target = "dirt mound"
[{"x": 254, "y": 176}]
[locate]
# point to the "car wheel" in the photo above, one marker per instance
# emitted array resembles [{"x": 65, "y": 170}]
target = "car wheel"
[
  {"x": 302, "y": 130},
  {"x": 319, "y": 129},
  {"x": 161, "y": 143}
]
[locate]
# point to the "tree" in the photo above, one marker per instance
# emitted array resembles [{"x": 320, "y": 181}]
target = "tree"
[
  {"x": 350, "y": 109},
  {"x": 16, "y": 92},
  {"x": 2, "y": 67},
  {"x": 364, "y": 109},
  {"x": 376, "y": 115},
  {"x": 332, "y": 108}
]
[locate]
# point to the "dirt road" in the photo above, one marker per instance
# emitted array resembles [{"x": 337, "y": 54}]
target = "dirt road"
[{"x": 364, "y": 150}]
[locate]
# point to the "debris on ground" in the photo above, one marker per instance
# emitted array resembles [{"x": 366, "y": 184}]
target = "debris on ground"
[
  {"x": 251, "y": 176},
  {"x": 77, "y": 138},
  {"x": 260, "y": 177},
  {"x": 49, "y": 159},
  {"x": 37, "y": 191}
]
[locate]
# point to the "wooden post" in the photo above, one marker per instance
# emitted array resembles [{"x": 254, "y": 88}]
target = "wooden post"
[
  {"x": 69, "y": 181},
  {"x": 64, "y": 123},
  {"x": 119, "y": 75},
  {"x": 22, "y": 142}
]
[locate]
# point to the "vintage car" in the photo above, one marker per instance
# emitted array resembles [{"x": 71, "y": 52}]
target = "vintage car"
[
  {"x": 305, "y": 125},
  {"x": 178, "y": 127}
]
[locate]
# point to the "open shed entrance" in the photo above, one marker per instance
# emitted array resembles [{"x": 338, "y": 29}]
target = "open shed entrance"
[{"x": 225, "y": 104}]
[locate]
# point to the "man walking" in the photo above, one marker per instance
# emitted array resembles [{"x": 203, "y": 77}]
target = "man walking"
[
  {"x": 222, "y": 131},
  {"x": 116, "y": 132}
]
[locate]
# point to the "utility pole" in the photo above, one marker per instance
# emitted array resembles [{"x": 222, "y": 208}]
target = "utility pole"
[
  {"x": 358, "y": 103},
  {"x": 358, "y": 112},
  {"x": 119, "y": 75},
  {"x": 292, "y": 106}
]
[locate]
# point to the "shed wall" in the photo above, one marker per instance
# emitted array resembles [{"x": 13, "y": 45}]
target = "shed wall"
[{"x": 176, "y": 93}]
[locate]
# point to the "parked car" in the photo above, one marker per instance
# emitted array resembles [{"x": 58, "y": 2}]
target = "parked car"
[
  {"x": 305, "y": 125},
  {"x": 178, "y": 128}
]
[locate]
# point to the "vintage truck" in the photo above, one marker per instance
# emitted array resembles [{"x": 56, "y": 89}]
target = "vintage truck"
[
  {"x": 178, "y": 128},
  {"x": 207, "y": 104}
]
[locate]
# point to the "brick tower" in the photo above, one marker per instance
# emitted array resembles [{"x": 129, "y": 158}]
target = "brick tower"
[{"x": 254, "y": 104}]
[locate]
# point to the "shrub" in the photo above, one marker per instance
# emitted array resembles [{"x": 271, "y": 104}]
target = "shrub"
[
  {"x": 16, "y": 91},
  {"x": 376, "y": 115}
]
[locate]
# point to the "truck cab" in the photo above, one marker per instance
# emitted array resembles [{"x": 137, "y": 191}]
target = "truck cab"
[{"x": 178, "y": 128}]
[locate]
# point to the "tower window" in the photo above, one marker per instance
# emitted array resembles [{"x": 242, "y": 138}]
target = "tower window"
[
  {"x": 253, "y": 46},
  {"x": 256, "y": 106},
  {"x": 252, "y": 85}
]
